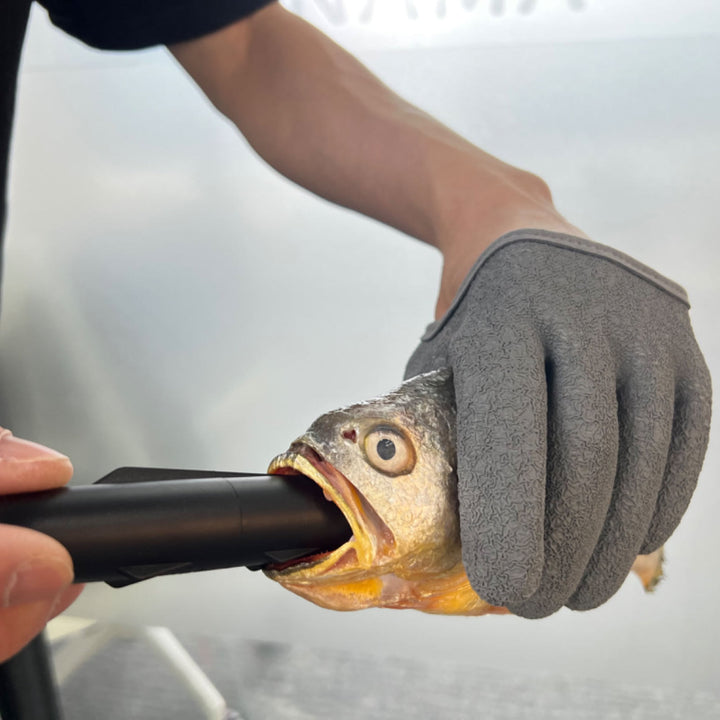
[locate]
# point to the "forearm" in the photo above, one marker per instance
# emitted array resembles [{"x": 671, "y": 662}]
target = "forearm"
[{"x": 319, "y": 117}]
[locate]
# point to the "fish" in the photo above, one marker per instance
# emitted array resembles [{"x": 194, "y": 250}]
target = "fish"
[{"x": 389, "y": 464}]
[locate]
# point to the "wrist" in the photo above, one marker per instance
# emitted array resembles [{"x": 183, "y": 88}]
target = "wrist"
[{"x": 514, "y": 201}]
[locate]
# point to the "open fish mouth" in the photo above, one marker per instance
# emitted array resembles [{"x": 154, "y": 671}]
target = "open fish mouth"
[{"x": 371, "y": 539}]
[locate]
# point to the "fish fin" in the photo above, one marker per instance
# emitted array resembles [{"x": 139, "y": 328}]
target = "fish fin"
[{"x": 649, "y": 568}]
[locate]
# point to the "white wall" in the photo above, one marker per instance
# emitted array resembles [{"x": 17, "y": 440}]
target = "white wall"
[{"x": 170, "y": 301}]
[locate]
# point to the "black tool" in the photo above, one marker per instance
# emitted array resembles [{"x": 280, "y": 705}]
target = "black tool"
[
  {"x": 27, "y": 685},
  {"x": 139, "y": 523}
]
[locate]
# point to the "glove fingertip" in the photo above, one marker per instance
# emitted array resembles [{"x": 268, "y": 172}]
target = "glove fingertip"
[{"x": 500, "y": 579}]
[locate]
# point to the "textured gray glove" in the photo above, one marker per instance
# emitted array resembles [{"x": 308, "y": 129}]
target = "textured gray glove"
[{"x": 583, "y": 417}]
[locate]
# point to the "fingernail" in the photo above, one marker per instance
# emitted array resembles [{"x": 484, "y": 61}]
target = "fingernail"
[
  {"x": 18, "y": 450},
  {"x": 40, "y": 579}
]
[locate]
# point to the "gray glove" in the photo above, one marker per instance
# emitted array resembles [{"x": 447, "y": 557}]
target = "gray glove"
[{"x": 583, "y": 417}]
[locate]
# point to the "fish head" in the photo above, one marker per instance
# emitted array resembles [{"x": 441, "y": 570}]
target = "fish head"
[{"x": 389, "y": 465}]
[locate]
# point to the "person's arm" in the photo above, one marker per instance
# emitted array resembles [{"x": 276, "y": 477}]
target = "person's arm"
[
  {"x": 317, "y": 115},
  {"x": 583, "y": 401}
]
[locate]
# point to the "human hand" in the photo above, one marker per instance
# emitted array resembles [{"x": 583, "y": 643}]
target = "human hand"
[
  {"x": 35, "y": 570},
  {"x": 583, "y": 417}
]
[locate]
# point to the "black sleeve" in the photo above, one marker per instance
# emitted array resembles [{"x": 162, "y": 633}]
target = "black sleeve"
[{"x": 134, "y": 24}]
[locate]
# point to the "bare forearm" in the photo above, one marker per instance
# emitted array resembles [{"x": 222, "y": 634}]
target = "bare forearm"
[
  {"x": 322, "y": 119},
  {"x": 319, "y": 117}
]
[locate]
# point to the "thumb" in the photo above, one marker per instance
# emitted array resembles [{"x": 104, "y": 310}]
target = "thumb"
[{"x": 33, "y": 566}]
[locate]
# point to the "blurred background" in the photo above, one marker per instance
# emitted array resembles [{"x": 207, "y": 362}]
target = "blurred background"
[{"x": 169, "y": 300}]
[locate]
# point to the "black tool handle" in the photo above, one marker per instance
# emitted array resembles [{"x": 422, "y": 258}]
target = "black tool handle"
[
  {"x": 27, "y": 685},
  {"x": 124, "y": 533}
]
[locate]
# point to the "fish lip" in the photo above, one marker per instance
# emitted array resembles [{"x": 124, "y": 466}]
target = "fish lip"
[{"x": 370, "y": 538}]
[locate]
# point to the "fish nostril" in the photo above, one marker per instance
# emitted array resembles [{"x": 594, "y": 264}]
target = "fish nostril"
[{"x": 350, "y": 435}]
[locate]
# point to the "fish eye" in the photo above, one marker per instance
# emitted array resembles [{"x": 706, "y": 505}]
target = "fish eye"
[{"x": 389, "y": 451}]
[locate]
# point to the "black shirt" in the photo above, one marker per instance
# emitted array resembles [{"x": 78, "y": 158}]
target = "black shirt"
[{"x": 109, "y": 25}]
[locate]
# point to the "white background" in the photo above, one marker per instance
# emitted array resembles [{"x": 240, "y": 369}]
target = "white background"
[{"x": 170, "y": 301}]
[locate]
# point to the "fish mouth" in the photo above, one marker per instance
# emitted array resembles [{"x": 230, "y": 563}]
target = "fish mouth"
[{"x": 371, "y": 539}]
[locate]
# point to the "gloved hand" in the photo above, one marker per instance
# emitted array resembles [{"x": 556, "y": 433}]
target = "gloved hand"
[{"x": 583, "y": 417}]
